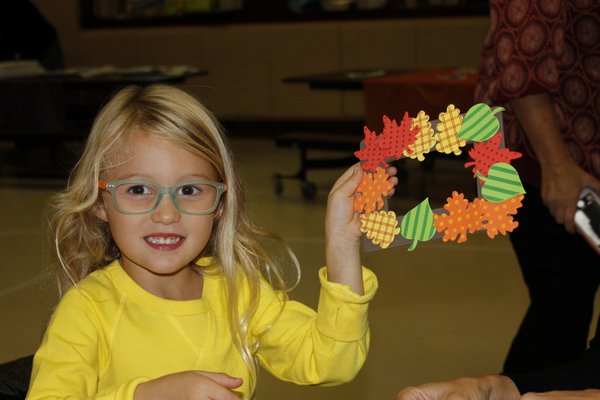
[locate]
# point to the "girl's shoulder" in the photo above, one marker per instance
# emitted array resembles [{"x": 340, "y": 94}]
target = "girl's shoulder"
[{"x": 99, "y": 285}]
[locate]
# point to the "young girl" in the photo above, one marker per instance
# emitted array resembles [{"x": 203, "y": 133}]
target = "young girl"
[{"x": 168, "y": 289}]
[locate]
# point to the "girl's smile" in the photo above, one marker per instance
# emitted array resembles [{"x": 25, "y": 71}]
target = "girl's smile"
[
  {"x": 164, "y": 242},
  {"x": 158, "y": 247}
]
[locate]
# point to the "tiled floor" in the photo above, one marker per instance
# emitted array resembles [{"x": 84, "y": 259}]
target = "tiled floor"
[{"x": 443, "y": 310}]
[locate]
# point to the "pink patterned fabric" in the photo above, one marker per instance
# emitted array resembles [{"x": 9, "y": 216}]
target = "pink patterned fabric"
[{"x": 557, "y": 52}]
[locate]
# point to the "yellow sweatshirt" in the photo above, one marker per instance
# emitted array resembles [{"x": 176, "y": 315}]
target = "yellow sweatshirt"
[{"x": 108, "y": 335}]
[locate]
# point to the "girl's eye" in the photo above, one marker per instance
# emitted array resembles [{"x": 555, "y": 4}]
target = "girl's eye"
[
  {"x": 139, "y": 190},
  {"x": 188, "y": 190}
]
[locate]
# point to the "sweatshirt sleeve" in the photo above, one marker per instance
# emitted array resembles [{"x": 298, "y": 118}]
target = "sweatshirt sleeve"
[
  {"x": 326, "y": 347},
  {"x": 69, "y": 360}
]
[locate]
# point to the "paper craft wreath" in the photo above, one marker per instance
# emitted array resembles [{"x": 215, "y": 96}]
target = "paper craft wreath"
[{"x": 501, "y": 188}]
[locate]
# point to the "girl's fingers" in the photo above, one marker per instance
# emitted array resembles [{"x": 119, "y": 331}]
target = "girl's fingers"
[
  {"x": 348, "y": 174},
  {"x": 351, "y": 178}
]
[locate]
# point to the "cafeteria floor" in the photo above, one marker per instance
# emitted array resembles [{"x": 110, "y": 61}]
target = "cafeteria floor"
[{"x": 442, "y": 310}]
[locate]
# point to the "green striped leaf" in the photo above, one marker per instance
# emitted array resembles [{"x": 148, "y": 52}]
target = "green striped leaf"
[
  {"x": 502, "y": 183},
  {"x": 479, "y": 123},
  {"x": 417, "y": 224}
]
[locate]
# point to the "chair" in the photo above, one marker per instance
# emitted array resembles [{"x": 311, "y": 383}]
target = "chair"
[{"x": 14, "y": 378}]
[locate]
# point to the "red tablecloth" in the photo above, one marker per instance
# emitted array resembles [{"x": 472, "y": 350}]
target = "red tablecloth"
[{"x": 430, "y": 91}]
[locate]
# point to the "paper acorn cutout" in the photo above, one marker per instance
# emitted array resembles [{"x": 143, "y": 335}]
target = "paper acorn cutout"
[{"x": 501, "y": 188}]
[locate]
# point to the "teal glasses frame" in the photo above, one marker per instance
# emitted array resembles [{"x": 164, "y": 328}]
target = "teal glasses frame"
[{"x": 162, "y": 190}]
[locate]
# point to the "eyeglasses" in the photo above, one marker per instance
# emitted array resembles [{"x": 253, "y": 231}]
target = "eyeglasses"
[{"x": 139, "y": 196}]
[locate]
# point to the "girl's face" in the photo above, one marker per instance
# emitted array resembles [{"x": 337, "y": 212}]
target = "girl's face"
[{"x": 158, "y": 247}]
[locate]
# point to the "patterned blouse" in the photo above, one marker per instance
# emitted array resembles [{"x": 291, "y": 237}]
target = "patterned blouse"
[{"x": 546, "y": 46}]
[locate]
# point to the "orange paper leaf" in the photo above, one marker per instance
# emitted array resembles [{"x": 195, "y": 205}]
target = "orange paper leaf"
[
  {"x": 498, "y": 217},
  {"x": 462, "y": 217},
  {"x": 371, "y": 190}
]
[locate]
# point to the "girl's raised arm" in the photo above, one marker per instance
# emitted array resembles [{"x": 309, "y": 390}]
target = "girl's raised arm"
[{"x": 342, "y": 230}]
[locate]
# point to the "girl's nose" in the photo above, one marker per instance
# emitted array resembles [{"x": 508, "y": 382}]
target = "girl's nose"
[{"x": 166, "y": 212}]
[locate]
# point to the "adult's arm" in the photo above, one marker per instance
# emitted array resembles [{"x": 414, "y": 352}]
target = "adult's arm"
[
  {"x": 590, "y": 394},
  {"x": 562, "y": 179}
]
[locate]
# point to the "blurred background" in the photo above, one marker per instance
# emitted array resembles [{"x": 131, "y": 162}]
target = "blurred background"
[{"x": 443, "y": 310}]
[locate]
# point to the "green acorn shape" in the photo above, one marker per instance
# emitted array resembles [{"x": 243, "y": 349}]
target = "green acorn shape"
[
  {"x": 417, "y": 224},
  {"x": 479, "y": 123},
  {"x": 502, "y": 183}
]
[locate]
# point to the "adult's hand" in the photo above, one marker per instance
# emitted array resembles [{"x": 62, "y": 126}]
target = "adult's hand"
[
  {"x": 561, "y": 184},
  {"x": 488, "y": 387},
  {"x": 562, "y": 179}
]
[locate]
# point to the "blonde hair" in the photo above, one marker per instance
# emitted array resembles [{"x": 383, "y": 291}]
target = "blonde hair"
[{"x": 242, "y": 253}]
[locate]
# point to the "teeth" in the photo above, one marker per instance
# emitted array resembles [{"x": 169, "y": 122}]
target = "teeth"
[{"x": 163, "y": 240}]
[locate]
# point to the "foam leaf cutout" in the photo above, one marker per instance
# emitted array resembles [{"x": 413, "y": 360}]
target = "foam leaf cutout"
[
  {"x": 370, "y": 191},
  {"x": 372, "y": 154},
  {"x": 396, "y": 139},
  {"x": 448, "y": 128},
  {"x": 463, "y": 217},
  {"x": 479, "y": 123},
  {"x": 501, "y": 183},
  {"x": 498, "y": 217},
  {"x": 417, "y": 224},
  {"x": 425, "y": 139},
  {"x": 380, "y": 227},
  {"x": 488, "y": 153}
]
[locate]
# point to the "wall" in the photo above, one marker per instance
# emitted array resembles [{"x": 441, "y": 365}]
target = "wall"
[{"x": 247, "y": 62}]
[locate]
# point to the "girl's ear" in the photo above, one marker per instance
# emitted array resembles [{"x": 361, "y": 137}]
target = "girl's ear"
[{"x": 100, "y": 211}]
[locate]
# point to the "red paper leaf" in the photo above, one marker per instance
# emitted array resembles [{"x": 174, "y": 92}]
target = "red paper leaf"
[
  {"x": 371, "y": 154},
  {"x": 486, "y": 154},
  {"x": 395, "y": 139}
]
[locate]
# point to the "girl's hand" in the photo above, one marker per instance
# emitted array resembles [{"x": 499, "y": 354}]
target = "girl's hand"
[
  {"x": 189, "y": 385},
  {"x": 342, "y": 229}
]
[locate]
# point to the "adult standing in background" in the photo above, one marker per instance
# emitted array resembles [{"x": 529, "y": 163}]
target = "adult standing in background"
[{"x": 541, "y": 61}]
